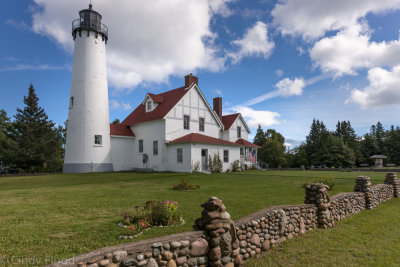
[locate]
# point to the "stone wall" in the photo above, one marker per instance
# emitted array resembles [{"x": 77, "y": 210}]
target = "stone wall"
[{"x": 219, "y": 241}]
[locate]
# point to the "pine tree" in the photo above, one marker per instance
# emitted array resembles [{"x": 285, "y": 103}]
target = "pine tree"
[
  {"x": 6, "y": 144},
  {"x": 38, "y": 141},
  {"x": 260, "y": 138},
  {"x": 316, "y": 142}
]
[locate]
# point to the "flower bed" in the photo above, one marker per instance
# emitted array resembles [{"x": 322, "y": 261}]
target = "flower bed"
[{"x": 151, "y": 214}]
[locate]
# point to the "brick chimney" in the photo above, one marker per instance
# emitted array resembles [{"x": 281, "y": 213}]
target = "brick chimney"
[
  {"x": 217, "y": 106},
  {"x": 190, "y": 79}
]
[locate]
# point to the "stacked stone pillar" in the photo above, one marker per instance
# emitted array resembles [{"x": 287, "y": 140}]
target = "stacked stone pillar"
[
  {"x": 317, "y": 194},
  {"x": 363, "y": 184},
  {"x": 220, "y": 232},
  {"x": 391, "y": 178}
]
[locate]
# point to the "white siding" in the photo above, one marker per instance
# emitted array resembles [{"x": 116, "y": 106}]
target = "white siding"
[
  {"x": 231, "y": 134},
  {"x": 122, "y": 153},
  {"x": 149, "y": 132},
  {"x": 173, "y": 164},
  {"x": 191, "y": 104},
  {"x": 234, "y": 154}
]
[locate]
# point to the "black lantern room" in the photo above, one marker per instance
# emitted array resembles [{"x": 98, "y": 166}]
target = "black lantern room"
[{"x": 89, "y": 20}]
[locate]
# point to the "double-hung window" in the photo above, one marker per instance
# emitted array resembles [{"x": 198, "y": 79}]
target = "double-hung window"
[{"x": 186, "y": 122}]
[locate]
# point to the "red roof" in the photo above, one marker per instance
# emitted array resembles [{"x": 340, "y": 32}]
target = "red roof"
[
  {"x": 169, "y": 100},
  {"x": 246, "y": 143},
  {"x": 121, "y": 129},
  {"x": 201, "y": 139},
  {"x": 156, "y": 98},
  {"x": 228, "y": 120}
]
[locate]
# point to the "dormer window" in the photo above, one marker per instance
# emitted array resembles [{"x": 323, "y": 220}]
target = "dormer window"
[{"x": 149, "y": 105}]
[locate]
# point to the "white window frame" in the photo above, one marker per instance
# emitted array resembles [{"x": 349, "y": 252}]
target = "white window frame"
[
  {"x": 186, "y": 123},
  {"x": 179, "y": 155},
  {"x": 226, "y": 157},
  {"x": 149, "y": 105},
  {"x": 201, "y": 124},
  {"x": 98, "y": 140},
  {"x": 155, "y": 147},
  {"x": 140, "y": 145}
]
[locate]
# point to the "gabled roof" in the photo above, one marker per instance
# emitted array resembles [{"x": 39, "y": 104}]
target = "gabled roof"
[
  {"x": 201, "y": 139},
  {"x": 228, "y": 120},
  {"x": 156, "y": 98},
  {"x": 246, "y": 143},
  {"x": 169, "y": 100},
  {"x": 121, "y": 130}
]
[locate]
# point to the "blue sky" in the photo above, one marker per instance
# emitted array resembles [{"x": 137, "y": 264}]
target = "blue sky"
[{"x": 279, "y": 63}]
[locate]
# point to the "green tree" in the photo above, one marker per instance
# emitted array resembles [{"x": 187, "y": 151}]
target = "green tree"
[
  {"x": 336, "y": 153},
  {"x": 38, "y": 142},
  {"x": 316, "y": 142},
  {"x": 260, "y": 137},
  {"x": 116, "y": 121},
  {"x": 273, "y": 150},
  {"x": 393, "y": 145},
  {"x": 345, "y": 131},
  {"x": 6, "y": 144},
  {"x": 297, "y": 156}
]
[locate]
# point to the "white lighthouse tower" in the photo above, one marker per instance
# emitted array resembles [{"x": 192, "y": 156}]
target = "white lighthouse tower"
[{"x": 88, "y": 128}]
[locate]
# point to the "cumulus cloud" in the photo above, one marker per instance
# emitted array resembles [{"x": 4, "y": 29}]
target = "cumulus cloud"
[
  {"x": 257, "y": 117},
  {"x": 114, "y": 104},
  {"x": 288, "y": 87},
  {"x": 352, "y": 49},
  {"x": 254, "y": 43},
  {"x": 313, "y": 18},
  {"x": 383, "y": 89},
  {"x": 148, "y": 40}
]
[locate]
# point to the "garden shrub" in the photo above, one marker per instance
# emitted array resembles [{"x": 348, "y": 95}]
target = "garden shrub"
[
  {"x": 235, "y": 166},
  {"x": 215, "y": 163},
  {"x": 196, "y": 167},
  {"x": 153, "y": 213}
]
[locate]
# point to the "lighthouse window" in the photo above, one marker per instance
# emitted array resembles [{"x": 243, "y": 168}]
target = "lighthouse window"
[
  {"x": 71, "y": 102},
  {"x": 98, "y": 140}
]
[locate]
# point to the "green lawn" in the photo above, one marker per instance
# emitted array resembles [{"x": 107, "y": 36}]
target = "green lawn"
[
  {"x": 60, "y": 216},
  {"x": 370, "y": 238}
]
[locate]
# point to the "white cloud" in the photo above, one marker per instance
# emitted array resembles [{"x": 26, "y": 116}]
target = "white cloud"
[
  {"x": 254, "y": 43},
  {"x": 313, "y": 18},
  {"x": 383, "y": 89},
  {"x": 148, "y": 40},
  {"x": 352, "y": 49},
  {"x": 257, "y": 117},
  {"x": 285, "y": 87},
  {"x": 220, "y": 7},
  {"x": 22, "y": 67},
  {"x": 218, "y": 92},
  {"x": 114, "y": 104},
  {"x": 279, "y": 72},
  {"x": 288, "y": 87},
  {"x": 18, "y": 24}
]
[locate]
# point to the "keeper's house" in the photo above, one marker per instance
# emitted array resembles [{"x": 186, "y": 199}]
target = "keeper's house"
[{"x": 178, "y": 130}]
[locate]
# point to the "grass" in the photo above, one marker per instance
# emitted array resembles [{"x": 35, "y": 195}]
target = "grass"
[
  {"x": 48, "y": 218},
  {"x": 370, "y": 238}
]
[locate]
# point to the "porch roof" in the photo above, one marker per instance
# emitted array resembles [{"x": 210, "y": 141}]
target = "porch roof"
[
  {"x": 246, "y": 143},
  {"x": 201, "y": 139}
]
